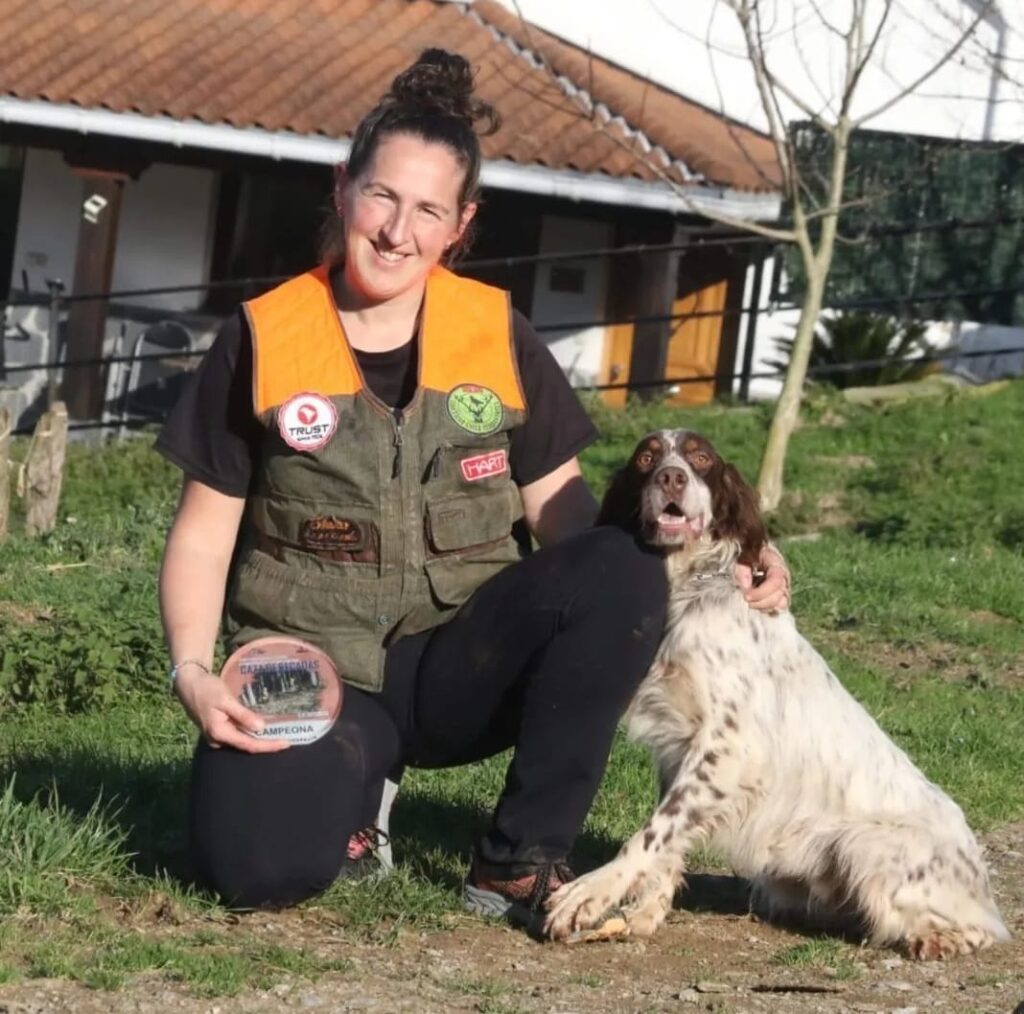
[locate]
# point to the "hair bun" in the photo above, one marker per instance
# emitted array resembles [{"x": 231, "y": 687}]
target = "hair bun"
[{"x": 440, "y": 82}]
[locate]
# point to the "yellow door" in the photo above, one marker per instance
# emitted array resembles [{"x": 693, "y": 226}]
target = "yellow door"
[
  {"x": 618, "y": 347},
  {"x": 693, "y": 346}
]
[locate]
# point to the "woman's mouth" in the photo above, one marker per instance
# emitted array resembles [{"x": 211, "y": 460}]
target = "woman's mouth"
[{"x": 390, "y": 256}]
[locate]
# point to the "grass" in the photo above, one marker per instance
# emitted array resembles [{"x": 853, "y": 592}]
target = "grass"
[
  {"x": 821, "y": 954},
  {"x": 903, "y": 529}
]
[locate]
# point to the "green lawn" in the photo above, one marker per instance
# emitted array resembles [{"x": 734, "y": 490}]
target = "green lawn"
[{"x": 904, "y": 528}]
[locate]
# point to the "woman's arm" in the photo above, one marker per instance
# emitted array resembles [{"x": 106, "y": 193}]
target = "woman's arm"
[
  {"x": 192, "y": 584},
  {"x": 559, "y": 504}
]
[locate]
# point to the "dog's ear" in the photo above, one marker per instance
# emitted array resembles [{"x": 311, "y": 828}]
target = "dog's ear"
[
  {"x": 737, "y": 512},
  {"x": 621, "y": 504}
]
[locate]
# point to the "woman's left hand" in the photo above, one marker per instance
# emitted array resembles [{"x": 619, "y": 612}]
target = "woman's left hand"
[{"x": 772, "y": 594}]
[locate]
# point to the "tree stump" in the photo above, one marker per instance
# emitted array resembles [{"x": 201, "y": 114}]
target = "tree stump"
[
  {"x": 5, "y": 483},
  {"x": 44, "y": 470}
]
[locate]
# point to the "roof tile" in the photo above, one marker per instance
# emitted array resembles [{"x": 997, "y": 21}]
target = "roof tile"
[{"x": 317, "y": 67}]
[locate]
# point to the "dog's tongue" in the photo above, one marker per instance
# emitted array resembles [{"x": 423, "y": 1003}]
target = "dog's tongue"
[{"x": 679, "y": 523}]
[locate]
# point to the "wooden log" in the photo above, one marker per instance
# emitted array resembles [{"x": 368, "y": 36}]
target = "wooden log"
[
  {"x": 5, "y": 482},
  {"x": 44, "y": 470}
]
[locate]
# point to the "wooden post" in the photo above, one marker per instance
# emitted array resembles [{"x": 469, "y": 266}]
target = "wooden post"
[
  {"x": 94, "y": 267},
  {"x": 44, "y": 470},
  {"x": 5, "y": 481}
]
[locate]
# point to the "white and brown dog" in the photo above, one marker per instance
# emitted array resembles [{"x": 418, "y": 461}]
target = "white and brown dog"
[{"x": 762, "y": 751}]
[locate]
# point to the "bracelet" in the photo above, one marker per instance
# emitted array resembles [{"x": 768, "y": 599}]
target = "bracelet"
[{"x": 174, "y": 670}]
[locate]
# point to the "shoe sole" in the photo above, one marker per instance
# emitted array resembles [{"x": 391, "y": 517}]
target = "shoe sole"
[{"x": 492, "y": 905}]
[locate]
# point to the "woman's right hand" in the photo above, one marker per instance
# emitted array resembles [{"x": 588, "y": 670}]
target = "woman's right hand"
[{"x": 221, "y": 719}]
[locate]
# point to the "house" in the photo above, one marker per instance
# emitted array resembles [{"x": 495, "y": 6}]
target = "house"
[{"x": 187, "y": 145}]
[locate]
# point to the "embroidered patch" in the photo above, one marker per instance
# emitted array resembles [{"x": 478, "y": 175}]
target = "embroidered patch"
[
  {"x": 476, "y": 409},
  {"x": 307, "y": 421},
  {"x": 483, "y": 466},
  {"x": 332, "y": 533}
]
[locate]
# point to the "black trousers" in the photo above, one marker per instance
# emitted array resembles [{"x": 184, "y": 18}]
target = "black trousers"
[{"x": 544, "y": 657}]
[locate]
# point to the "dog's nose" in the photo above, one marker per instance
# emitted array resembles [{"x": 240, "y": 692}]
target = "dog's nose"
[{"x": 671, "y": 480}]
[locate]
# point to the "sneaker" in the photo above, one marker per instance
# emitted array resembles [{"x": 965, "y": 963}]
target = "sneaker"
[
  {"x": 362, "y": 856},
  {"x": 517, "y": 893}
]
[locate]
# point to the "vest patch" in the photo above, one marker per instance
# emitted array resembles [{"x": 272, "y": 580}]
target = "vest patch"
[
  {"x": 332, "y": 533},
  {"x": 307, "y": 421},
  {"x": 476, "y": 409},
  {"x": 483, "y": 466}
]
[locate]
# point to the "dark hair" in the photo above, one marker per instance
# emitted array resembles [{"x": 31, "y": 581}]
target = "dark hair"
[{"x": 431, "y": 99}]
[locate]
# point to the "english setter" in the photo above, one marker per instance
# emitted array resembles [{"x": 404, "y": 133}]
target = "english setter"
[{"x": 762, "y": 750}]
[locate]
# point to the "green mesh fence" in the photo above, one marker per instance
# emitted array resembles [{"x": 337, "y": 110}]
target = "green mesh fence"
[{"x": 924, "y": 216}]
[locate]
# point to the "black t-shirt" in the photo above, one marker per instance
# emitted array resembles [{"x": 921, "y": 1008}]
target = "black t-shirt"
[{"x": 213, "y": 435}]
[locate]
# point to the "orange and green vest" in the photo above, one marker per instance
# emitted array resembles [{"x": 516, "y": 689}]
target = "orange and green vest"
[{"x": 364, "y": 525}]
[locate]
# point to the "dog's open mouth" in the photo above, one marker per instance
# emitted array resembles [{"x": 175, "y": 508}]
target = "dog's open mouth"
[{"x": 674, "y": 523}]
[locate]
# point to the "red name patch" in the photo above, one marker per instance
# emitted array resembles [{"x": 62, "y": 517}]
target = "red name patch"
[{"x": 483, "y": 466}]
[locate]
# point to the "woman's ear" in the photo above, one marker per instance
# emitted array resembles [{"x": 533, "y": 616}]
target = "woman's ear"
[
  {"x": 621, "y": 504},
  {"x": 465, "y": 217},
  {"x": 341, "y": 181}
]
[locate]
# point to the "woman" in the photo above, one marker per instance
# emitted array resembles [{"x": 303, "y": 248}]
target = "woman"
[{"x": 367, "y": 452}]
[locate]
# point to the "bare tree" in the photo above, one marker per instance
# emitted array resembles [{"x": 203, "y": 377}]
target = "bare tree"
[{"x": 815, "y": 210}]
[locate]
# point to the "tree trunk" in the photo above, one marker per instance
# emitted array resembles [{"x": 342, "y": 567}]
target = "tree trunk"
[
  {"x": 787, "y": 410},
  {"x": 817, "y": 264}
]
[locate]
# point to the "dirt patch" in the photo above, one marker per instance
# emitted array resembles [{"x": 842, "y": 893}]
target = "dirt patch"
[
  {"x": 851, "y": 461},
  {"x": 907, "y": 662},
  {"x": 23, "y": 615},
  {"x": 711, "y": 956}
]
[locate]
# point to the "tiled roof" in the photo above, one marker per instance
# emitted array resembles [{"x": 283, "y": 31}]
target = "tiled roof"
[{"x": 317, "y": 67}]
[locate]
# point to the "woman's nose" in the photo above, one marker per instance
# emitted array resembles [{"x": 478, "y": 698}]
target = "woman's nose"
[{"x": 398, "y": 227}]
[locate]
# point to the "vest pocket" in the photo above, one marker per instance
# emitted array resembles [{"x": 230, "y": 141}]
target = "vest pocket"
[
  {"x": 468, "y": 539},
  {"x": 325, "y": 608}
]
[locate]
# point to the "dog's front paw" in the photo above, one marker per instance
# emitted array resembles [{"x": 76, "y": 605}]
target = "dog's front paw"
[{"x": 581, "y": 905}]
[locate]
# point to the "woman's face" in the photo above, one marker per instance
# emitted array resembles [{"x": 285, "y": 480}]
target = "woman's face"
[{"x": 400, "y": 215}]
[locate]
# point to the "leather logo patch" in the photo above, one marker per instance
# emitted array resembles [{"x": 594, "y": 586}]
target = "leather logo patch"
[
  {"x": 484, "y": 466},
  {"x": 332, "y": 533}
]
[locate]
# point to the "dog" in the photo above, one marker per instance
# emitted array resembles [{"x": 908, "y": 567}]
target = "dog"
[{"x": 762, "y": 751}]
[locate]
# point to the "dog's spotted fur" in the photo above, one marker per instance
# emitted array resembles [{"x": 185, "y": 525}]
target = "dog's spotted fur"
[{"x": 763, "y": 751}]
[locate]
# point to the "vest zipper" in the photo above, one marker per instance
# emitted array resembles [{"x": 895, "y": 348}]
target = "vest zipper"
[{"x": 396, "y": 467}]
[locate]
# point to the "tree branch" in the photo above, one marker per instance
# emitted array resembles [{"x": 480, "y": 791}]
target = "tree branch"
[{"x": 932, "y": 71}]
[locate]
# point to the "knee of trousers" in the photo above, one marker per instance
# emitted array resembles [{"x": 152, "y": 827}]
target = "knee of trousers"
[
  {"x": 272, "y": 882},
  {"x": 621, "y": 579}
]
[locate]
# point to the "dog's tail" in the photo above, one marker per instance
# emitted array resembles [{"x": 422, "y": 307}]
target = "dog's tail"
[{"x": 928, "y": 894}]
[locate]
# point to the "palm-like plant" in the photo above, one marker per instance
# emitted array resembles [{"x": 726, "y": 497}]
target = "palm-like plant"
[{"x": 853, "y": 337}]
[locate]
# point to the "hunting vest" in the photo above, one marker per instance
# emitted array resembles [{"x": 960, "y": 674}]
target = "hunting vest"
[{"x": 365, "y": 524}]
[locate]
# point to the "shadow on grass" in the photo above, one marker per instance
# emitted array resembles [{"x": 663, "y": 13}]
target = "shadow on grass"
[
  {"x": 714, "y": 892},
  {"x": 433, "y": 835},
  {"x": 145, "y": 801},
  {"x": 437, "y": 835}
]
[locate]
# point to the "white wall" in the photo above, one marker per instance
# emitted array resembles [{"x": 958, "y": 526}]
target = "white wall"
[
  {"x": 965, "y": 336},
  {"x": 163, "y": 236},
  {"x": 667, "y": 40},
  {"x": 579, "y": 351}
]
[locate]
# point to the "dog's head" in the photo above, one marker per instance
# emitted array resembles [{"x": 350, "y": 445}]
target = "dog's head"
[{"x": 676, "y": 491}]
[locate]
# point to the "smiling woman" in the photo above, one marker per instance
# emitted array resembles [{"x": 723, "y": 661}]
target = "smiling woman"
[{"x": 368, "y": 450}]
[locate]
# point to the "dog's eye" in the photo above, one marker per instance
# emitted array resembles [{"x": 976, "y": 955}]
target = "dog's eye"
[
  {"x": 645, "y": 459},
  {"x": 700, "y": 459}
]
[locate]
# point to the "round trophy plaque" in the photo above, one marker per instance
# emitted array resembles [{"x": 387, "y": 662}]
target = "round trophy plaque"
[{"x": 291, "y": 685}]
